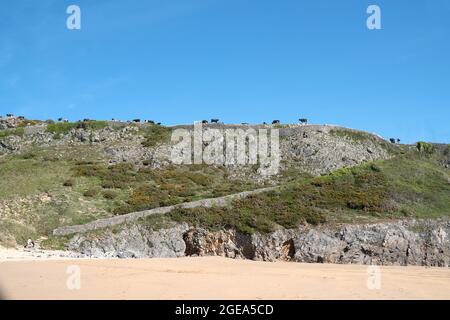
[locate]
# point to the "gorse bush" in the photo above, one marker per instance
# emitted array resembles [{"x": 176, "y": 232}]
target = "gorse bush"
[
  {"x": 61, "y": 128},
  {"x": 92, "y": 125},
  {"x": 25, "y": 123},
  {"x": 147, "y": 188},
  {"x": 250, "y": 215},
  {"x": 28, "y": 155},
  {"x": 356, "y": 136},
  {"x": 121, "y": 175},
  {"x": 425, "y": 147},
  {"x": 109, "y": 194},
  {"x": 155, "y": 134},
  {"x": 12, "y": 132},
  {"x": 307, "y": 201},
  {"x": 363, "y": 188},
  {"x": 148, "y": 197},
  {"x": 91, "y": 192},
  {"x": 69, "y": 183}
]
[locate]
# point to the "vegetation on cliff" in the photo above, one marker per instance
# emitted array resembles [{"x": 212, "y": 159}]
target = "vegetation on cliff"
[
  {"x": 67, "y": 182},
  {"x": 407, "y": 185}
]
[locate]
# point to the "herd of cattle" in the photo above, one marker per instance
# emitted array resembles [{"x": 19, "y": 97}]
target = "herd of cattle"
[
  {"x": 217, "y": 121},
  {"x": 302, "y": 121}
]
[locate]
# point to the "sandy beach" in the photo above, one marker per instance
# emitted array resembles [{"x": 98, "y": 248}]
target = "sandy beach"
[{"x": 213, "y": 278}]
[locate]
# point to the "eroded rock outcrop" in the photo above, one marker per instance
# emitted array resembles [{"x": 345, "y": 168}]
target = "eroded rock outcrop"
[
  {"x": 323, "y": 149},
  {"x": 413, "y": 242},
  {"x": 316, "y": 149},
  {"x": 136, "y": 241}
]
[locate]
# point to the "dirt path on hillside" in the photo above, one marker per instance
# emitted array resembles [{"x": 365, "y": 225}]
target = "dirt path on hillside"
[
  {"x": 133, "y": 216},
  {"x": 215, "y": 278}
]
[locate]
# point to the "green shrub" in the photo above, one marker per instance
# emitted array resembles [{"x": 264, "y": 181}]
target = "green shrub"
[
  {"x": 425, "y": 147},
  {"x": 60, "y": 128},
  {"x": 91, "y": 192},
  {"x": 108, "y": 184},
  {"x": 261, "y": 213},
  {"x": 364, "y": 190},
  {"x": 109, "y": 194},
  {"x": 120, "y": 176},
  {"x": 357, "y": 136},
  {"x": 116, "y": 176},
  {"x": 375, "y": 167},
  {"x": 92, "y": 125},
  {"x": 12, "y": 132},
  {"x": 26, "y": 123},
  {"x": 69, "y": 183},
  {"x": 154, "y": 134},
  {"x": 148, "y": 197},
  {"x": 406, "y": 212},
  {"x": 122, "y": 208},
  {"x": 199, "y": 178},
  {"x": 447, "y": 151},
  {"x": 28, "y": 155},
  {"x": 89, "y": 170}
]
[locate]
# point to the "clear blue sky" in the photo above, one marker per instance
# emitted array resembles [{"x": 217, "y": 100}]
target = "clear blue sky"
[{"x": 177, "y": 61}]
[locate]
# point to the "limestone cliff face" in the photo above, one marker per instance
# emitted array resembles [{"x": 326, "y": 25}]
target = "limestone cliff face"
[
  {"x": 134, "y": 241},
  {"x": 323, "y": 149},
  {"x": 316, "y": 149},
  {"x": 413, "y": 242}
]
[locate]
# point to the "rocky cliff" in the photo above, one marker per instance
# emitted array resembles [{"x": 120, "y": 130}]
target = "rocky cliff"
[
  {"x": 316, "y": 149},
  {"x": 412, "y": 242},
  {"x": 97, "y": 180}
]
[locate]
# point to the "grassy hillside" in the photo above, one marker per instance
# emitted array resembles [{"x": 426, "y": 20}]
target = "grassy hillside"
[
  {"x": 47, "y": 186},
  {"x": 413, "y": 184},
  {"x": 77, "y": 187}
]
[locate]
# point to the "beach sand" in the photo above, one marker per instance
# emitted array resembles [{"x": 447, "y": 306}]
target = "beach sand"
[{"x": 214, "y": 278}]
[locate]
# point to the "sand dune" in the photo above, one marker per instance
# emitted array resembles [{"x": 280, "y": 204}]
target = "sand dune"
[{"x": 214, "y": 278}]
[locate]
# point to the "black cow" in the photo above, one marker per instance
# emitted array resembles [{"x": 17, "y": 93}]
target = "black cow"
[
  {"x": 137, "y": 120},
  {"x": 392, "y": 140},
  {"x": 214, "y": 120},
  {"x": 398, "y": 140},
  {"x": 303, "y": 120},
  {"x": 60, "y": 119},
  {"x": 204, "y": 121},
  {"x": 275, "y": 121}
]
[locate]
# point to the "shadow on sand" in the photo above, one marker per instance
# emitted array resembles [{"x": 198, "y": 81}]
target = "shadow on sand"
[{"x": 2, "y": 295}]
